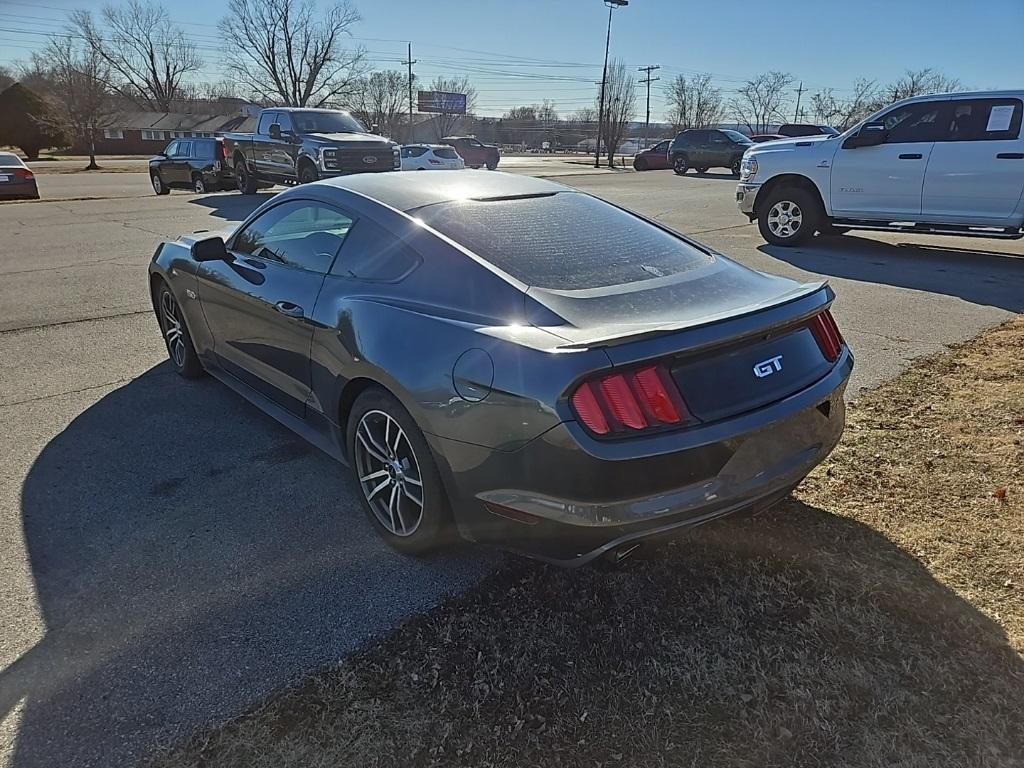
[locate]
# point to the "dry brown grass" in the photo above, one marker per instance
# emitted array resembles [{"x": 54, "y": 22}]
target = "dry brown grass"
[{"x": 875, "y": 619}]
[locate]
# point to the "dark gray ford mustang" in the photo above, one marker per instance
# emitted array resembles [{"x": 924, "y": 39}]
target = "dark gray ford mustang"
[{"x": 510, "y": 358}]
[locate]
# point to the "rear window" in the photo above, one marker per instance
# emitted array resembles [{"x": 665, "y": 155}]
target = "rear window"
[
  {"x": 566, "y": 241},
  {"x": 204, "y": 149},
  {"x": 445, "y": 152},
  {"x": 6, "y": 158}
]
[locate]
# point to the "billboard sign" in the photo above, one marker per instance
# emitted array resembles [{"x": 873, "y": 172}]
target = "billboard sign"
[{"x": 441, "y": 101}]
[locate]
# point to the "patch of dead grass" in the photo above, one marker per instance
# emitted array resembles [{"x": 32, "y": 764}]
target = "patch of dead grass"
[{"x": 874, "y": 619}]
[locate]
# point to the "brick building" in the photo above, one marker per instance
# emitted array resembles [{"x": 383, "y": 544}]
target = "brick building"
[{"x": 147, "y": 133}]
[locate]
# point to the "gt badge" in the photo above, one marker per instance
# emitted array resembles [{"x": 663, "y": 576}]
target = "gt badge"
[{"x": 768, "y": 367}]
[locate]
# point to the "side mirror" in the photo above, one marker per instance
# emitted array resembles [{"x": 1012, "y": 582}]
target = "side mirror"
[
  {"x": 869, "y": 135},
  {"x": 275, "y": 131},
  {"x": 210, "y": 249}
]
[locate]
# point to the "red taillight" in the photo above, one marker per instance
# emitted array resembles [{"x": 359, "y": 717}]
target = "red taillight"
[
  {"x": 222, "y": 149},
  {"x": 24, "y": 173},
  {"x": 826, "y": 333},
  {"x": 632, "y": 400}
]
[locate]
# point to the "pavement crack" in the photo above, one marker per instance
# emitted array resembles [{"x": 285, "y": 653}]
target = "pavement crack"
[
  {"x": 72, "y": 322},
  {"x": 68, "y": 392}
]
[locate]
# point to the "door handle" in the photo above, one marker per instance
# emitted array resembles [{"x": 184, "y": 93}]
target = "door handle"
[
  {"x": 289, "y": 309},
  {"x": 1010, "y": 156},
  {"x": 913, "y": 156}
]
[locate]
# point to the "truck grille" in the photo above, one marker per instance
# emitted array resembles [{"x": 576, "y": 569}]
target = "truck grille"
[{"x": 370, "y": 160}]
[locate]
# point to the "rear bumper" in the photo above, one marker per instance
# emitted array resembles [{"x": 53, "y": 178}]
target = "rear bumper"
[
  {"x": 746, "y": 195},
  {"x": 19, "y": 191},
  {"x": 563, "y": 499}
]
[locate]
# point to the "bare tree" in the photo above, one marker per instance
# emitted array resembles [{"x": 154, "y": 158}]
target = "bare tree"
[
  {"x": 81, "y": 99},
  {"x": 6, "y": 77},
  {"x": 584, "y": 115},
  {"x": 619, "y": 106},
  {"x": 758, "y": 102},
  {"x": 283, "y": 51},
  {"x": 919, "y": 83},
  {"x": 381, "y": 99},
  {"x": 148, "y": 55},
  {"x": 843, "y": 113},
  {"x": 445, "y": 122},
  {"x": 694, "y": 102}
]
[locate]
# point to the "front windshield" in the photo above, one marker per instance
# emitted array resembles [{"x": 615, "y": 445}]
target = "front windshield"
[
  {"x": 326, "y": 122},
  {"x": 738, "y": 137}
]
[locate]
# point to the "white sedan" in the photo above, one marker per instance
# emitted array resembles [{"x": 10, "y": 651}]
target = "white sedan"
[{"x": 431, "y": 157}]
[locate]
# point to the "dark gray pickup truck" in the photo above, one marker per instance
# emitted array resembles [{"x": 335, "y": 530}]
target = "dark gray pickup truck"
[{"x": 295, "y": 145}]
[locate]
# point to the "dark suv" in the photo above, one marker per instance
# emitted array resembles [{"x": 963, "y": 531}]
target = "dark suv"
[
  {"x": 474, "y": 152},
  {"x": 704, "y": 148},
  {"x": 196, "y": 164}
]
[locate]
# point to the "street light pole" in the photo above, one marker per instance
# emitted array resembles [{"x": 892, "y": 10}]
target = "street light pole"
[{"x": 612, "y": 5}]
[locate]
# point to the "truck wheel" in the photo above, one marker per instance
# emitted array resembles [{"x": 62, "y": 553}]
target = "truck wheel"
[
  {"x": 736, "y": 168},
  {"x": 307, "y": 173},
  {"x": 492, "y": 165},
  {"x": 246, "y": 182},
  {"x": 158, "y": 184},
  {"x": 199, "y": 184},
  {"x": 789, "y": 216},
  {"x": 680, "y": 164}
]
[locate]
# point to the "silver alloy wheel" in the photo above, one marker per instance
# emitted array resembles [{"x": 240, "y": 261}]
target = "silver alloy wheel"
[
  {"x": 785, "y": 218},
  {"x": 680, "y": 165},
  {"x": 157, "y": 184},
  {"x": 199, "y": 185},
  {"x": 172, "y": 328},
  {"x": 389, "y": 474}
]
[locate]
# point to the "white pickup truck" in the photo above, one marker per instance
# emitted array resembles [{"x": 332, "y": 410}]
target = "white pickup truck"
[{"x": 950, "y": 164}]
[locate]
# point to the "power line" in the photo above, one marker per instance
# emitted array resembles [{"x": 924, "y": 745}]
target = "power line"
[{"x": 648, "y": 80}]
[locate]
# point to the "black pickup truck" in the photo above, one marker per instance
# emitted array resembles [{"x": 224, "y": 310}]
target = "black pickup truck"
[{"x": 295, "y": 145}]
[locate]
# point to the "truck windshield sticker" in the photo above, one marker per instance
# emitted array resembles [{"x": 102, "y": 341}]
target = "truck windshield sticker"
[{"x": 999, "y": 118}]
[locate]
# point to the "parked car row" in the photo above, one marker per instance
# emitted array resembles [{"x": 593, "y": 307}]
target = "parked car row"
[{"x": 298, "y": 146}]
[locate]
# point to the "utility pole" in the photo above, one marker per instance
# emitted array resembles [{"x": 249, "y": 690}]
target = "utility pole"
[
  {"x": 410, "y": 62},
  {"x": 612, "y": 5},
  {"x": 799, "y": 93},
  {"x": 648, "y": 80}
]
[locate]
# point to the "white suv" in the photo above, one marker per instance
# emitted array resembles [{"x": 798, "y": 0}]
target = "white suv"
[{"x": 950, "y": 164}]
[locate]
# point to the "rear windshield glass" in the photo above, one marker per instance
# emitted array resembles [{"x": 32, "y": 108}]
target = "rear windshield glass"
[
  {"x": 205, "y": 149},
  {"x": 446, "y": 152},
  {"x": 566, "y": 241},
  {"x": 6, "y": 158}
]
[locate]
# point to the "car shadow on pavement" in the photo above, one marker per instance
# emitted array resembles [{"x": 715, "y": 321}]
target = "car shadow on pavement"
[
  {"x": 984, "y": 277},
  {"x": 723, "y": 176},
  {"x": 189, "y": 556},
  {"x": 233, "y": 207}
]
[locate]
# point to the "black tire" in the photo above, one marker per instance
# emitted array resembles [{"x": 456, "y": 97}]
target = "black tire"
[
  {"x": 702, "y": 170},
  {"x": 789, "y": 216},
  {"x": 680, "y": 164},
  {"x": 159, "y": 187},
  {"x": 199, "y": 184},
  {"x": 736, "y": 168},
  {"x": 640, "y": 164},
  {"x": 177, "y": 340},
  {"x": 492, "y": 165},
  {"x": 409, "y": 455},
  {"x": 307, "y": 173},
  {"x": 246, "y": 181}
]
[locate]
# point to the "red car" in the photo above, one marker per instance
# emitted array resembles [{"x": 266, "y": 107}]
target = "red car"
[
  {"x": 475, "y": 153},
  {"x": 652, "y": 159}
]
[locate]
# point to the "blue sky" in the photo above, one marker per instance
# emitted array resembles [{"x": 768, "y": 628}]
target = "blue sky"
[{"x": 521, "y": 52}]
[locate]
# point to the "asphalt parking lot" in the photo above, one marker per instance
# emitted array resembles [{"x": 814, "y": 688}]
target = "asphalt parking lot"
[{"x": 155, "y": 571}]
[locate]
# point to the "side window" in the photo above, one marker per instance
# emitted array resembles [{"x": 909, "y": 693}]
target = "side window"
[
  {"x": 184, "y": 149},
  {"x": 413, "y": 151},
  {"x": 171, "y": 149},
  {"x": 266, "y": 119},
  {"x": 372, "y": 253},
  {"x": 662, "y": 147},
  {"x": 915, "y": 122},
  {"x": 984, "y": 120},
  {"x": 301, "y": 234},
  {"x": 717, "y": 137},
  {"x": 474, "y": 143},
  {"x": 285, "y": 121}
]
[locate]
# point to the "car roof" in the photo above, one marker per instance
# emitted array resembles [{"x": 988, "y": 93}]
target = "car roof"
[{"x": 406, "y": 191}]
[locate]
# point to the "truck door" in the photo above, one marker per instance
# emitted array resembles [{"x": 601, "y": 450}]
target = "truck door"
[
  {"x": 262, "y": 145},
  {"x": 885, "y": 182},
  {"x": 976, "y": 171}
]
